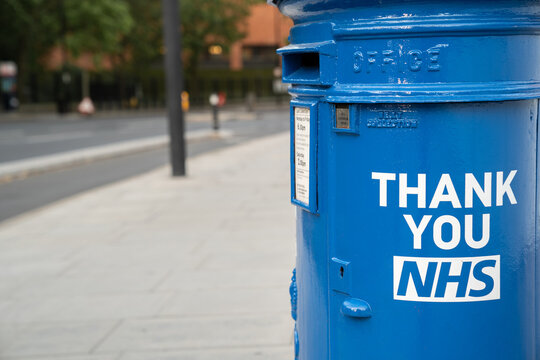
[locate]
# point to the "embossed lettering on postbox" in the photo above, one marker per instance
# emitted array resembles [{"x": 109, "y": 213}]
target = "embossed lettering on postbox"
[{"x": 398, "y": 60}]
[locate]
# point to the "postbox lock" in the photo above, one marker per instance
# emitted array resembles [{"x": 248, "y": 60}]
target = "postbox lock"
[{"x": 340, "y": 276}]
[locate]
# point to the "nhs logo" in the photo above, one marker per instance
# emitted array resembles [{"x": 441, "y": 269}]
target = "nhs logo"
[{"x": 447, "y": 279}]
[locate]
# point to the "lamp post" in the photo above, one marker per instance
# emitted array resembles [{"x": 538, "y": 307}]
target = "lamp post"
[{"x": 174, "y": 82}]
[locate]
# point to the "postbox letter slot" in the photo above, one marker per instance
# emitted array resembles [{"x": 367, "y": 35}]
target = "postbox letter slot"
[{"x": 301, "y": 67}]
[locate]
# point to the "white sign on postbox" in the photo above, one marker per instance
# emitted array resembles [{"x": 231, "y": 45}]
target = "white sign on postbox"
[
  {"x": 448, "y": 278},
  {"x": 301, "y": 153}
]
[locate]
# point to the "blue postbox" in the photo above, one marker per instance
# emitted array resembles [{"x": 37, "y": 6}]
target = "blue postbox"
[{"x": 414, "y": 167}]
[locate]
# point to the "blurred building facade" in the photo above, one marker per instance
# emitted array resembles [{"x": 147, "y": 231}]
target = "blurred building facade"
[
  {"x": 247, "y": 68},
  {"x": 266, "y": 30}
]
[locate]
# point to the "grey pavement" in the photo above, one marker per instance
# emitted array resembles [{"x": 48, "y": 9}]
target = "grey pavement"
[{"x": 157, "y": 268}]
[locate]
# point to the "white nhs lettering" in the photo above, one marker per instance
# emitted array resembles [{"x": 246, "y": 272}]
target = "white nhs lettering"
[
  {"x": 446, "y": 192},
  {"x": 447, "y": 279}
]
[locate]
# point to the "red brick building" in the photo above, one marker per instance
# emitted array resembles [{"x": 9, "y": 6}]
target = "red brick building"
[{"x": 267, "y": 29}]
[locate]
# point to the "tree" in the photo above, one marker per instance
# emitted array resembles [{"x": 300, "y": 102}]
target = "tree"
[
  {"x": 27, "y": 33},
  {"x": 31, "y": 28},
  {"x": 145, "y": 41},
  {"x": 127, "y": 31},
  {"x": 204, "y": 23},
  {"x": 95, "y": 26},
  {"x": 219, "y": 22}
]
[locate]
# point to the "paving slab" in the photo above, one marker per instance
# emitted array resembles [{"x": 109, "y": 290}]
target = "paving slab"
[
  {"x": 208, "y": 332},
  {"x": 53, "y": 339},
  {"x": 256, "y": 353},
  {"x": 67, "y": 357}
]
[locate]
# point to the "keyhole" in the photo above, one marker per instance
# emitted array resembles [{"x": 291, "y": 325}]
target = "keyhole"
[{"x": 341, "y": 271}]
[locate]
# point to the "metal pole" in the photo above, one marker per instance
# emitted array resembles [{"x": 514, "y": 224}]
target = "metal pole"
[
  {"x": 174, "y": 80},
  {"x": 215, "y": 119}
]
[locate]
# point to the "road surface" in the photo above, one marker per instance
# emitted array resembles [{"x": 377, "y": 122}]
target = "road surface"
[{"x": 19, "y": 141}]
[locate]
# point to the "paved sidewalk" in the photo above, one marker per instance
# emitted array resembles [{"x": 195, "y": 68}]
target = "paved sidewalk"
[{"x": 157, "y": 268}]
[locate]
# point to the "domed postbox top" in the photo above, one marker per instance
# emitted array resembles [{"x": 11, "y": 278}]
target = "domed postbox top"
[{"x": 304, "y": 10}]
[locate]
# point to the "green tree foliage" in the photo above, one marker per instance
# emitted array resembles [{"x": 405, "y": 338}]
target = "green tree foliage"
[
  {"x": 130, "y": 30},
  {"x": 205, "y": 22},
  {"x": 144, "y": 42},
  {"x": 111, "y": 26},
  {"x": 95, "y": 26},
  {"x": 31, "y": 28},
  {"x": 28, "y": 30}
]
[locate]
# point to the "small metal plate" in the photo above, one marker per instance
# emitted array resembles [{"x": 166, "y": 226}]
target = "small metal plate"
[{"x": 342, "y": 117}]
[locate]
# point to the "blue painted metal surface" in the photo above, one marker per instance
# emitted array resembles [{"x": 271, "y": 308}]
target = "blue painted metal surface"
[
  {"x": 356, "y": 308},
  {"x": 293, "y": 292},
  {"x": 417, "y": 236}
]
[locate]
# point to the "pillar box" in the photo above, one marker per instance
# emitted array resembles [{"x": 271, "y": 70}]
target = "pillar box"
[{"x": 414, "y": 167}]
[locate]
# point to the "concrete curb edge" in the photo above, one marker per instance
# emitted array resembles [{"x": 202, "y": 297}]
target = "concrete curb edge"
[{"x": 22, "y": 168}]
